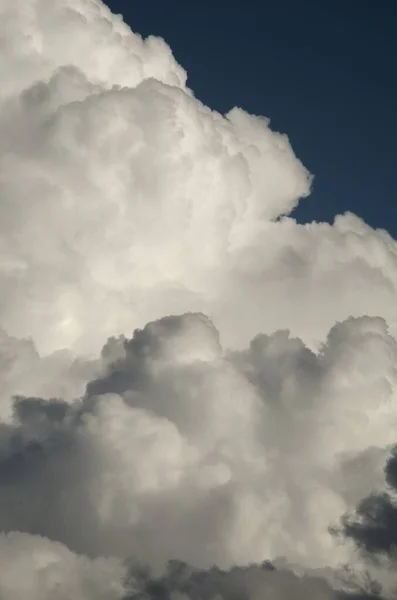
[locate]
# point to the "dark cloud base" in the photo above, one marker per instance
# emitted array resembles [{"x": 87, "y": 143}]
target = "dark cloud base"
[
  {"x": 373, "y": 526},
  {"x": 240, "y": 583}
]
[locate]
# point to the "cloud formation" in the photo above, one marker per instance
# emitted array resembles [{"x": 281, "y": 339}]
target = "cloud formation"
[
  {"x": 110, "y": 173},
  {"x": 244, "y": 397},
  {"x": 180, "y": 450}
]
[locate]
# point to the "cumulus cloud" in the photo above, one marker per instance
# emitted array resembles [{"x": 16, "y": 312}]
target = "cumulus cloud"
[
  {"x": 182, "y": 450},
  {"x": 34, "y": 568},
  {"x": 244, "y": 396},
  {"x": 124, "y": 198}
]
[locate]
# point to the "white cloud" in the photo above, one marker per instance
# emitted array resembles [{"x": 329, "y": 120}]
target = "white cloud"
[{"x": 124, "y": 199}]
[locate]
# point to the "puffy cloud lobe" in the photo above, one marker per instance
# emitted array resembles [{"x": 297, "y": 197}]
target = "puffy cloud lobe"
[
  {"x": 128, "y": 179},
  {"x": 36, "y": 41},
  {"x": 307, "y": 277},
  {"x": 116, "y": 467}
]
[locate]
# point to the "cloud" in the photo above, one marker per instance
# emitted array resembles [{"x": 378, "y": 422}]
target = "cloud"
[
  {"x": 125, "y": 198},
  {"x": 34, "y": 568},
  {"x": 245, "y": 397},
  {"x": 255, "y": 581},
  {"x": 23, "y": 372},
  {"x": 372, "y": 525},
  {"x": 182, "y": 450}
]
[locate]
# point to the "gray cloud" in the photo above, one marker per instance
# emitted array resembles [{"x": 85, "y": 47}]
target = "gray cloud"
[
  {"x": 244, "y": 583},
  {"x": 373, "y": 525},
  {"x": 182, "y": 450}
]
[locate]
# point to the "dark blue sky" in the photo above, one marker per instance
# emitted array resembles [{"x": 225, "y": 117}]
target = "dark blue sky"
[{"x": 325, "y": 72}]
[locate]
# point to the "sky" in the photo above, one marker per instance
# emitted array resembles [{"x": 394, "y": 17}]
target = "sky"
[
  {"x": 323, "y": 72},
  {"x": 198, "y": 392}
]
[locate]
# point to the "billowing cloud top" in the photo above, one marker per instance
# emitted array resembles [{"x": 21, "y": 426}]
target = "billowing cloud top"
[{"x": 191, "y": 383}]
